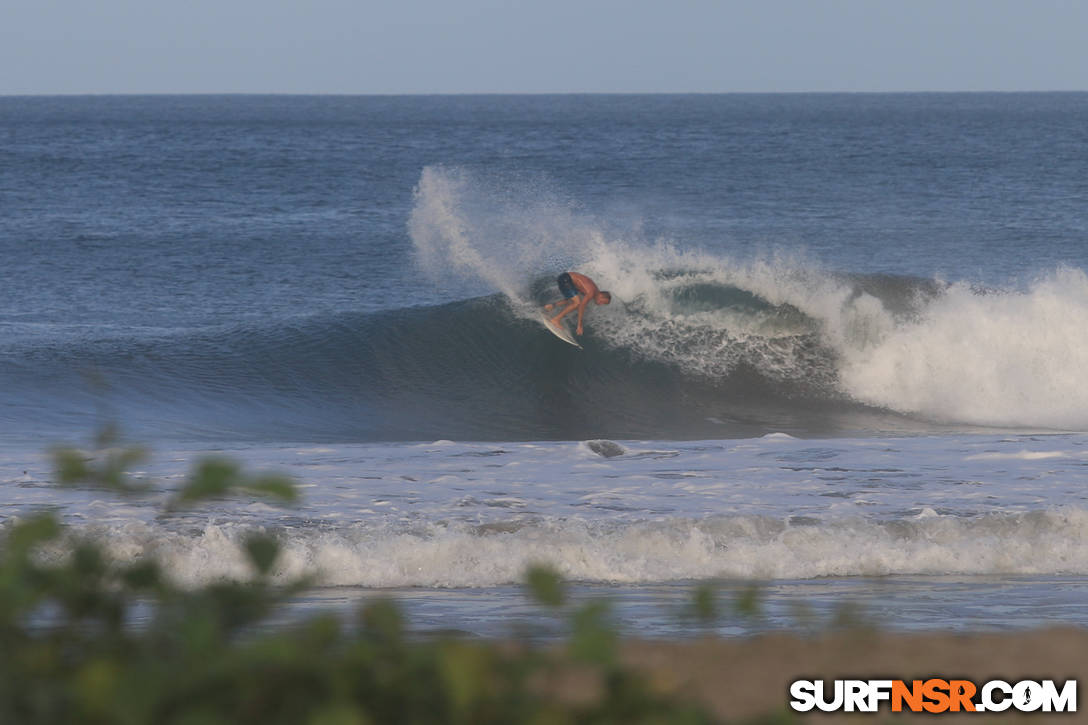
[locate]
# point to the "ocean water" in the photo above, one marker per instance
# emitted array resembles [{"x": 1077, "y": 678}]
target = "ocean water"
[{"x": 845, "y": 357}]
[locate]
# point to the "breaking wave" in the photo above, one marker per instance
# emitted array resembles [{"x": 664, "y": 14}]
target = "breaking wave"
[
  {"x": 695, "y": 345},
  {"x": 462, "y": 555}
]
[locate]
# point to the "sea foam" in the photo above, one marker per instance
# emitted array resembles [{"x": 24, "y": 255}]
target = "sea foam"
[
  {"x": 461, "y": 555},
  {"x": 950, "y": 352}
]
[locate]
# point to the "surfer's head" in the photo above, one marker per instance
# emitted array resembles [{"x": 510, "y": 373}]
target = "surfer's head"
[{"x": 602, "y": 297}]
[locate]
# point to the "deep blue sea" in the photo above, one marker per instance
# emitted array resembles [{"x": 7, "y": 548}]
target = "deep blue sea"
[{"x": 845, "y": 357}]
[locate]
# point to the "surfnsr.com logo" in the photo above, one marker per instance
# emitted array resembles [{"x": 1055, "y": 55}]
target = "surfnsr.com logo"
[{"x": 933, "y": 696}]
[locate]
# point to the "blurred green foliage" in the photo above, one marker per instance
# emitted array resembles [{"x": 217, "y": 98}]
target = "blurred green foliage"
[
  {"x": 87, "y": 640},
  {"x": 107, "y": 467}
]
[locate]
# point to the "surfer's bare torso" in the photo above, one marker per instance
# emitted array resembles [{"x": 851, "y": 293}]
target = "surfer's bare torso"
[{"x": 578, "y": 290}]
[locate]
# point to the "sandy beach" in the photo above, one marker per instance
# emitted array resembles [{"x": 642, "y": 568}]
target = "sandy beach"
[{"x": 750, "y": 677}]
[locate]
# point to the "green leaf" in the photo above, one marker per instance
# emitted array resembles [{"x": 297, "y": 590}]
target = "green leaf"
[
  {"x": 464, "y": 671},
  {"x": 593, "y": 639},
  {"x": 71, "y": 466},
  {"x": 263, "y": 551},
  {"x": 143, "y": 575},
  {"x": 211, "y": 478},
  {"x": 28, "y": 533},
  {"x": 545, "y": 586},
  {"x": 279, "y": 487},
  {"x": 749, "y": 602},
  {"x": 219, "y": 477},
  {"x": 95, "y": 686},
  {"x": 104, "y": 467},
  {"x": 339, "y": 714},
  {"x": 704, "y": 603},
  {"x": 382, "y": 617}
]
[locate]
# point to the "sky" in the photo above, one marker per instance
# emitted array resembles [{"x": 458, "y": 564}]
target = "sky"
[{"x": 541, "y": 46}]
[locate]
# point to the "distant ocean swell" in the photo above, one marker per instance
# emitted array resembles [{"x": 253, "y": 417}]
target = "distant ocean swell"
[{"x": 458, "y": 555}]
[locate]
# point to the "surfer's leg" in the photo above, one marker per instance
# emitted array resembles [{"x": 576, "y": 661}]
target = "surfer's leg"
[
  {"x": 571, "y": 305},
  {"x": 569, "y": 292}
]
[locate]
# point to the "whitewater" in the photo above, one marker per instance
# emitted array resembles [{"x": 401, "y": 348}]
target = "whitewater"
[
  {"x": 844, "y": 362},
  {"x": 814, "y": 522},
  {"x": 943, "y": 351}
]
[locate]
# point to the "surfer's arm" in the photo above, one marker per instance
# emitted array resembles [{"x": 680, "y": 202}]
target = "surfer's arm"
[{"x": 581, "y": 312}]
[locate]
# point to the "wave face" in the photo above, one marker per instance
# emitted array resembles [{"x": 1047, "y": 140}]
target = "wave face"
[
  {"x": 695, "y": 345},
  {"x": 471, "y": 370},
  {"x": 776, "y": 340}
]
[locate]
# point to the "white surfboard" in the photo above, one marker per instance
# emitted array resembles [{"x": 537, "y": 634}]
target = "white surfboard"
[{"x": 559, "y": 331}]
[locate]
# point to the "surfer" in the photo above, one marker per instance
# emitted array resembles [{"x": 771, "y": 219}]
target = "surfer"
[{"x": 577, "y": 290}]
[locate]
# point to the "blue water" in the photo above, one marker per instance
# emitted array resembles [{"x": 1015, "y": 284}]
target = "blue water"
[
  {"x": 288, "y": 276},
  {"x": 190, "y": 210}
]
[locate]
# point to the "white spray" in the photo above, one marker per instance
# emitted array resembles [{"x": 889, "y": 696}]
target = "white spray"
[{"x": 1006, "y": 358}]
